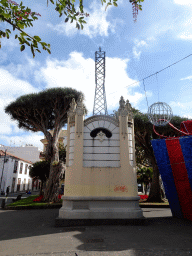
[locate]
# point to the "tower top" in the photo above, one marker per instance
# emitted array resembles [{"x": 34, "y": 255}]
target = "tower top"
[{"x": 100, "y": 103}]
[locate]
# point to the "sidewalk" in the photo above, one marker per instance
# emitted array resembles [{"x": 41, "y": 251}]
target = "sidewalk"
[
  {"x": 23, "y": 193},
  {"x": 33, "y": 232}
]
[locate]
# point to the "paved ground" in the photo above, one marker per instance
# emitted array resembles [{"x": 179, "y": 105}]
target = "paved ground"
[{"x": 32, "y": 232}]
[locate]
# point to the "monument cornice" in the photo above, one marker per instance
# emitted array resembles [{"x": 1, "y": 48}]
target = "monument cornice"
[{"x": 100, "y": 118}]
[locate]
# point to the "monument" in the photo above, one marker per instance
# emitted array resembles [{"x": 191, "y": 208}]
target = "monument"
[{"x": 100, "y": 178}]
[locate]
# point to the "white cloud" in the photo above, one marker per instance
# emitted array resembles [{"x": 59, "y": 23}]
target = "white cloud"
[
  {"x": 182, "y": 108},
  {"x": 177, "y": 104},
  {"x": 136, "y": 53},
  {"x": 184, "y": 24},
  {"x": 23, "y": 69},
  {"x": 186, "y": 78},
  {"x": 183, "y": 2},
  {"x": 97, "y": 23},
  {"x": 188, "y": 115},
  {"x": 79, "y": 73},
  {"x": 137, "y": 48},
  {"x": 186, "y": 35},
  {"x": 10, "y": 89}
]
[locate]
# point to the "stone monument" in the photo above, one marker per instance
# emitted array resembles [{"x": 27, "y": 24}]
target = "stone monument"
[{"x": 100, "y": 178}]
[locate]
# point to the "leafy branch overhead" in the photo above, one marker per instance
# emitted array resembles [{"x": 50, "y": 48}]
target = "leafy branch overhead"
[{"x": 20, "y": 17}]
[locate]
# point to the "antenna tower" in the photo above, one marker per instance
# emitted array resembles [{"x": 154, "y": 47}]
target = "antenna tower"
[{"x": 100, "y": 103}]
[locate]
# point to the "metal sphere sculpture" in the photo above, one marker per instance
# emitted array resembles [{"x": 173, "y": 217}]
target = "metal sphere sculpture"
[{"x": 160, "y": 113}]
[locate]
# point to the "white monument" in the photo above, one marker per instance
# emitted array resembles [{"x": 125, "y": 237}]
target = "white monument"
[{"x": 100, "y": 178}]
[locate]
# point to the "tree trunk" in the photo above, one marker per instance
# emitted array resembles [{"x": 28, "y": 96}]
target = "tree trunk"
[
  {"x": 144, "y": 141},
  {"x": 41, "y": 188},
  {"x": 52, "y": 185},
  {"x": 155, "y": 190}
]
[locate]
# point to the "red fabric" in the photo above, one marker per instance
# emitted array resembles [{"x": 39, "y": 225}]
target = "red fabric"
[
  {"x": 180, "y": 177},
  {"x": 186, "y": 126}
]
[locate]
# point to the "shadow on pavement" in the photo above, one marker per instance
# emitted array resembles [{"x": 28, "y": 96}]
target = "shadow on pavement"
[
  {"x": 159, "y": 232},
  {"x": 154, "y": 233}
]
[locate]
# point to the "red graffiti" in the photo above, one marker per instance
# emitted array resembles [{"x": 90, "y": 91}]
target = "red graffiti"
[{"x": 120, "y": 189}]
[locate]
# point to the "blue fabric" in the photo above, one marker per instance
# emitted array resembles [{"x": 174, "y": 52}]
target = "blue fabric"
[
  {"x": 160, "y": 151},
  {"x": 170, "y": 190},
  {"x": 162, "y": 158},
  {"x": 186, "y": 147}
]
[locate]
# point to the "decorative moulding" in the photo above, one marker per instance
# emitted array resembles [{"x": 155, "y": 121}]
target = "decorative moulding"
[{"x": 101, "y": 118}]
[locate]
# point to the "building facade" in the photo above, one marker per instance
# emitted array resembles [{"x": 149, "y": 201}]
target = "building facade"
[
  {"x": 14, "y": 172},
  {"x": 62, "y": 140},
  {"x": 27, "y": 152}
]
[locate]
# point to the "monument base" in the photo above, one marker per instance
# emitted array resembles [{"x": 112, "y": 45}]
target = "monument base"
[
  {"x": 99, "y": 208},
  {"x": 95, "y": 222}
]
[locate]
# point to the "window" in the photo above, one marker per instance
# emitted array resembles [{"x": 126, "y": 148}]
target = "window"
[
  {"x": 13, "y": 185},
  {"x": 24, "y": 184},
  {"x": 26, "y": 168},
  {"x": 15, "y": 167},
  {"x": 21, "y": 168},
  {"x": 107, "y": 133},
  {"x": 18, "y": 184}
]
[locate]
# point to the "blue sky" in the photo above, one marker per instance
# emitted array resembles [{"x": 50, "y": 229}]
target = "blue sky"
[{"x": 161, "y": 36}]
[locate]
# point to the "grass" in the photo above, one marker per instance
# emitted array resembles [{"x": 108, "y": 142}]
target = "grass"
[{"x": 28, "y": 202}]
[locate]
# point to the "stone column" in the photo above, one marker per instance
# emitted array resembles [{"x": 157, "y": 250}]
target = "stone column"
[
  {"x": 127, "y": 168},
  {"x": 73, "y": 178},
  {"x": 70, "y": 123}
]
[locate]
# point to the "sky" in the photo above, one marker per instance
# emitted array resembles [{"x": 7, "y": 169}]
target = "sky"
[{"x": 161, "y": 36}]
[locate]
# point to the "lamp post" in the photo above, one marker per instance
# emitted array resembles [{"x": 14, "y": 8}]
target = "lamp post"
[{"x": 3, "y": 168}]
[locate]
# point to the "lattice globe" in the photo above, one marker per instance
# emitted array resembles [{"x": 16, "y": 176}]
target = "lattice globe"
[{"x": 160, "y": 113}]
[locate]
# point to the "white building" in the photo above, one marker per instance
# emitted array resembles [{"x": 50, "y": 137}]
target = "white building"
[
  {"x": 27, "y": 152},
  {"x": 14, "y": 172},
  {"x": 62, "y": 140}
]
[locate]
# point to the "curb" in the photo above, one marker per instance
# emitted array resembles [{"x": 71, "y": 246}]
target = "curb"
[
  {"x": 154, "y": 206},
  {"x": 57, "y": 206},
  {"x": 35, "y": 207}
]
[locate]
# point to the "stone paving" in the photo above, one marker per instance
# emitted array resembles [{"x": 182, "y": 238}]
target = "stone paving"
[{"x": 32, "y": 232}]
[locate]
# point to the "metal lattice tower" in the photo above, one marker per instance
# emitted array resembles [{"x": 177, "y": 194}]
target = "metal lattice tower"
[{"x": 100, "y": 103}]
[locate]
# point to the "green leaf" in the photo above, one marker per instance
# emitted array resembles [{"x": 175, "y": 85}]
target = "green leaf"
[
  {"x": 27, "y": 43},
  {"x": 22, "y": 47},
  {"x": 66, "y": 20},
  {"x": 32, "y": 50},
  {"x": 37, "y": 38},
  {"x": 21, "y": 25},
  {"x": 7, "y": 35}
]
